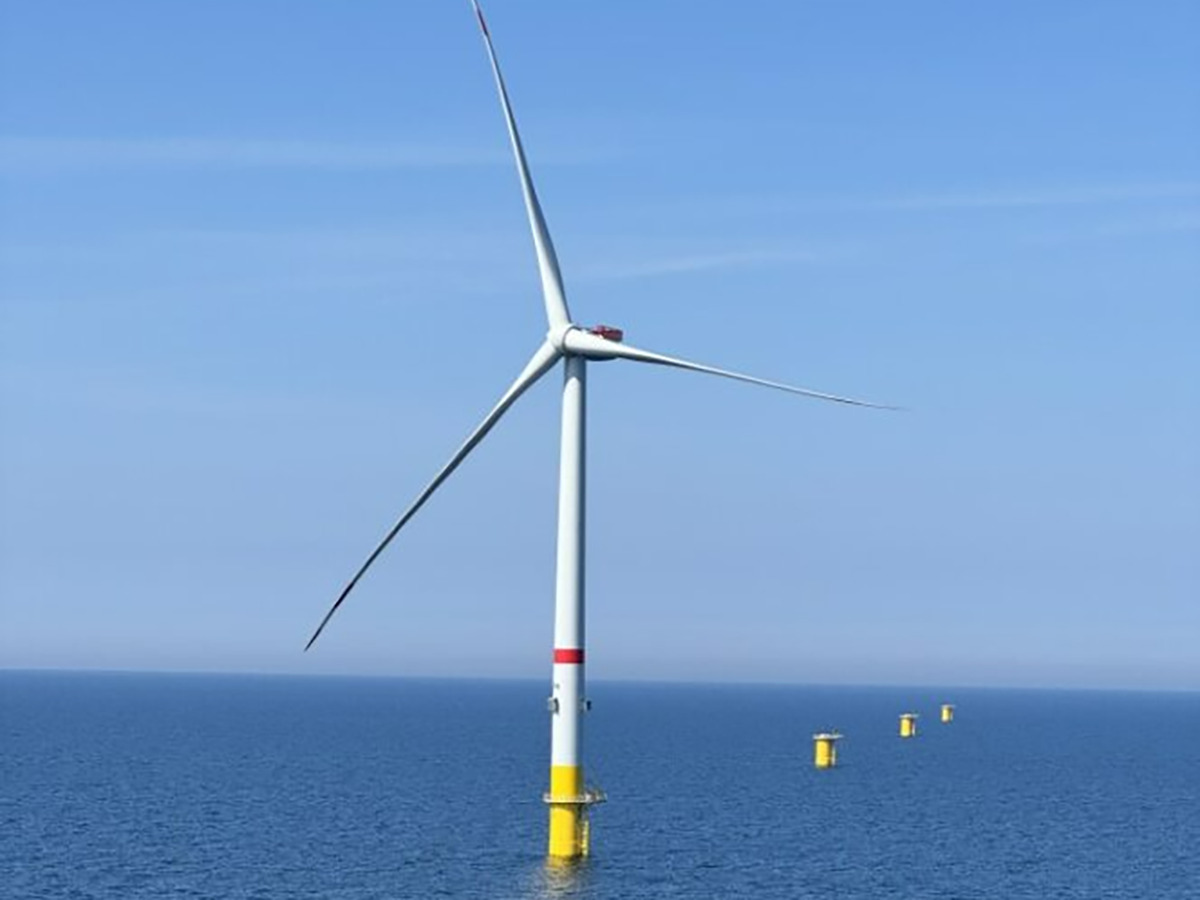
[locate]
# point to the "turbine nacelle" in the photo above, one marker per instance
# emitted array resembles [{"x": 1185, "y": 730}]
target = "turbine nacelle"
[
  {"x": 608, "y": 332},
  {"x": 599, "y": 343},
  {"x": 596, "y": 343}
]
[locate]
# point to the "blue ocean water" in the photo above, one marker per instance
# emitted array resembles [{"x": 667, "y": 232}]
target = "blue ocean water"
[{"x": 154, "y": 786}]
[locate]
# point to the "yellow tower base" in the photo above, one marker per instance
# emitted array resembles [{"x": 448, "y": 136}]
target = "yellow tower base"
[
  {"x": 908, "y": 725},
  {"x": 569, "y": 800},
  {"x": 947, "y": 712},
  {"x": 825, "y": 749}
]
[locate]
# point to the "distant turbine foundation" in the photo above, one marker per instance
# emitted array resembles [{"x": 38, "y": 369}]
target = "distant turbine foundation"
[
  {"x": 825, "y": 749},
  {"x": 908, "y": 725}
]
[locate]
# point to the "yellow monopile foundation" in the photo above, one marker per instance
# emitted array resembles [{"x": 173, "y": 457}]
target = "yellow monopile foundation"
[
  {"x": 908, "y": 725},
  {"x": 947, "y": 712},
  {"x": 568, "y": 814},
  {"x": 825, "y": 749}
]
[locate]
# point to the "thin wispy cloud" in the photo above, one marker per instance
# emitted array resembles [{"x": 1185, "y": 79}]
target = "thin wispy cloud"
[
  {"x": 22, "y": 155},
  {"x": 1035, "y": 197},
  {"x": 412, "y": 249},
  {"x": 701, "y": 262},
  {"x": 1173, "y": 223},
  {"x": 113, "y": 389},
  {"x": 984, "y": 200},
  {"x": 408, "y": 263}
]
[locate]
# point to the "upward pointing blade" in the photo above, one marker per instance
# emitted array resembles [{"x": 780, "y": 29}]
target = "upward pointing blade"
[
  {"x": 545, "y": 357},
  {"x": 552, "y": 286},
  {"x": 586, "y": 344}
]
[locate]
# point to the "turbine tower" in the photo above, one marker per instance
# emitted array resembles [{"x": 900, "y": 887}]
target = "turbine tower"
[{"x": 574, "y": 346}]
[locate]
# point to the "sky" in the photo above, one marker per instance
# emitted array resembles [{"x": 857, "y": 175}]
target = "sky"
[{"x": 264, "y": 265}]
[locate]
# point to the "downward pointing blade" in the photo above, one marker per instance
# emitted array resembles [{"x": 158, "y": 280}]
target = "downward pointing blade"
[
  {"x": 552, "y": 286},
  {"x": 542, "y": 361},
  {"x": 586, "y": 344}
]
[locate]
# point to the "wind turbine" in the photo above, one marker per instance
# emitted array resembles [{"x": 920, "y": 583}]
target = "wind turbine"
[{"x": 574, "y": 346}]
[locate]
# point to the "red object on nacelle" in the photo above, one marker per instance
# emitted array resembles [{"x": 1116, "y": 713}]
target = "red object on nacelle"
[{"x": 607, "y": 332}]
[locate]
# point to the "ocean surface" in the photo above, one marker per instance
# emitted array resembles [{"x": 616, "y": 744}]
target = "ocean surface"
[{"x": 132, "y": 786}]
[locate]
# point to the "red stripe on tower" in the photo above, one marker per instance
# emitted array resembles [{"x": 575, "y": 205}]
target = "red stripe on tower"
[{"x": 568, "y": 656}]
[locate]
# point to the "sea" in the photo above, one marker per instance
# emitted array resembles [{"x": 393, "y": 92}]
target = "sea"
[{"x": 128, "y": 786}]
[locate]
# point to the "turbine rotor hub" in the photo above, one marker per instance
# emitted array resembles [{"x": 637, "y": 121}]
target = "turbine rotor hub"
[{"x": 558, "y": 336}]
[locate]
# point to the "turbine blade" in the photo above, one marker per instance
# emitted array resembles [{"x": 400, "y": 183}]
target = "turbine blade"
[
  {"x": 595, "y": 347},
  {"x": 543, "y": 360},
  {"x": 552, "y": 287}
]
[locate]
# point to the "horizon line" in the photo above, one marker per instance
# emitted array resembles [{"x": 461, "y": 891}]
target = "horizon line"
[{"x": 680, "y": 682}]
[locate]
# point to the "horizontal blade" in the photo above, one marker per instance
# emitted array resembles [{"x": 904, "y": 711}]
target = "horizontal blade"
[
  {"x": 552, "y": 286},
  {"x": 542, "y": 361},
  {"x": 595, "y": 347}
]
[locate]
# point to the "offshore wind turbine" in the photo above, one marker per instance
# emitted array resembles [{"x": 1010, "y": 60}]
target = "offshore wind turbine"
[{"x": 574, "y": 346}]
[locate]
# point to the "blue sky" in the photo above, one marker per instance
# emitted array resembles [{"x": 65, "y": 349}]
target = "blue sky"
[{"x": 264, "y": 265}]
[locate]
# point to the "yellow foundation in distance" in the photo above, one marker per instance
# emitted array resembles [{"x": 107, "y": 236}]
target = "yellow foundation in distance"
[{"x": 825, "y": 750}]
